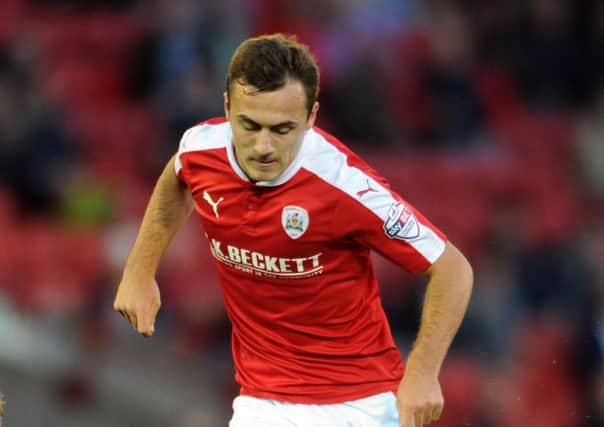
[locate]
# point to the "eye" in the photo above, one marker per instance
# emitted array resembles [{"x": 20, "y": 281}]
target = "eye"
[
  {"x": 283, "y": 130},
  {"x": 249, "y": 126}
]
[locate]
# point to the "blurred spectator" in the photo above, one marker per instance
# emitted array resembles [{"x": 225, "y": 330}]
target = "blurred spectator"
[
  {"x": 358, "y": 97},
  {"x": 595, "y": 38},
  {"x": 590, "y": 148},
  {"x": 179, "y": 66},
  {"x": 174, "y": 45},
  {"x": 497, "y": 311},
  {"x": 197, "y": 94},
  {"x": 555, "y": 277},
  {"x": 456, "y": 107},
  {"x": 595, "y": 413},
  {"x": 35, "y": 150},
  {"x": 548, "y": 70},
  {"x": 589, "y": 332},
  {"x": 431, "y": 82},
  {"x": 493, "y": 319}
]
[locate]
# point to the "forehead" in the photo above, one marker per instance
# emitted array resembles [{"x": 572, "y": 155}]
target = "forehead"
[{"x": 286, "y": 103}]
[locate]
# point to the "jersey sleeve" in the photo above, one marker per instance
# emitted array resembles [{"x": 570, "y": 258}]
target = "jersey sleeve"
[
  {"x": 378, "y": 218},
  {"x": 209, "y": 134},
  {"x": 182, "y": 148}
]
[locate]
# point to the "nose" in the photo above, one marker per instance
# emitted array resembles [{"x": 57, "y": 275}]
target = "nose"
[{"x": 264, "y": 143}]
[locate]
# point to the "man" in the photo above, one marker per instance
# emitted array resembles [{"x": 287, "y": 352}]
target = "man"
[{"x": 290, "y": 215}]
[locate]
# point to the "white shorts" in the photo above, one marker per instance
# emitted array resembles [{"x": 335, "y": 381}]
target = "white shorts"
[{"x": 374, "y": 411}]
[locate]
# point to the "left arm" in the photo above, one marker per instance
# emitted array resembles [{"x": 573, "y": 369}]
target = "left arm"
[{"x": 420, "y": 399}]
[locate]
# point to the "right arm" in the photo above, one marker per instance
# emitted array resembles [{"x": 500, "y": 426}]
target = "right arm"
[{"x": 170, "y": 205}]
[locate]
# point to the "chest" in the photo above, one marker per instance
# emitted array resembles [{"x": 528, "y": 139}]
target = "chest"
[{"x": 293, "y": 220}]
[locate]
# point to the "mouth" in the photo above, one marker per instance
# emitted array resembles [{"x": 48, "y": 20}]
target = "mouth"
[{"x": 264, "y": 164}]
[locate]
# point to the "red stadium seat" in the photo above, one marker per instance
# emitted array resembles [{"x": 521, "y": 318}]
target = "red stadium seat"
[
  {"x": 462, "y": 381},
  {"x": 94, "y": 37},
  {"x": 85, "y": 85},
  {"x": 541, "y": 389},
  {"x": 12, "y": 19}
]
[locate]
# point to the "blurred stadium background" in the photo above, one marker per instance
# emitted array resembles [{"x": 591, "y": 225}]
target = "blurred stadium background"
[{"x": 488, "y": 116}]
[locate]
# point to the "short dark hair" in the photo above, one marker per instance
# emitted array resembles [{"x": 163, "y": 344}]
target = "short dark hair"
[{"x": 268, "y": 61}]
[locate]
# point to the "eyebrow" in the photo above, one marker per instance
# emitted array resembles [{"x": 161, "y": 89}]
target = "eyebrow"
[{"x": 287, "y": 123}]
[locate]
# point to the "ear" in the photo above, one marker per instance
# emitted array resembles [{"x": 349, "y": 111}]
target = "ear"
[
  {"x": 226, "y": 105},
  {"x": 313, "y": 115}
]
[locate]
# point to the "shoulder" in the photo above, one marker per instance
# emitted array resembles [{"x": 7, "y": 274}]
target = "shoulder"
[
  {"x": 207, "y": 135},
  {"x": 330, "y": 160}
]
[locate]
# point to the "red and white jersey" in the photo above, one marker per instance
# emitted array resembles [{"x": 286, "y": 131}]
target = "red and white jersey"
[{"x": 293, "y": 258}]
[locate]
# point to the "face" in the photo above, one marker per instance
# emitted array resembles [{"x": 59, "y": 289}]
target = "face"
[{"x": 268, "y": 127}]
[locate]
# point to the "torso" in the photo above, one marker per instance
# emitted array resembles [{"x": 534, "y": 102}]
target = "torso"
[{"x": 295, "y": 270}]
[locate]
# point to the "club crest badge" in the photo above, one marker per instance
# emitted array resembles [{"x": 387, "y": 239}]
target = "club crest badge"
[
  {"x": 401, "y": 223},
  {"x": 294, "y": 220}
]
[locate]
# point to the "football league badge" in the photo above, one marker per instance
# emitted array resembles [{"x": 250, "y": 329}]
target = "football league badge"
[
  {"x": 401, "y": 223},
  {"x": 295, "y": 221}
]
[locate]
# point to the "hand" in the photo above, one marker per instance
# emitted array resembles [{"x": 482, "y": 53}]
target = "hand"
[
  {"x": 419, "y": 400},
  {"x": 138, "y": 303}
]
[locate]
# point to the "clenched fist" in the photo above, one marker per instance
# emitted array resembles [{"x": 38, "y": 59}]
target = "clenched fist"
[
  {"x": 419, "y": 401},
  {"x": 139, "y": 302}
]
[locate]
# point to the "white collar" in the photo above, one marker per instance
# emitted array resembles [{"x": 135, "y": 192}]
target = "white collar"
[{"x": 285, "y": 176}]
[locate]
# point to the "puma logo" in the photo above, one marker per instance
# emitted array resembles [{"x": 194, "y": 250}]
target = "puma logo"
[
  {"x": 208, "y": 198},
  {"x": 365, "y": 191}
]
